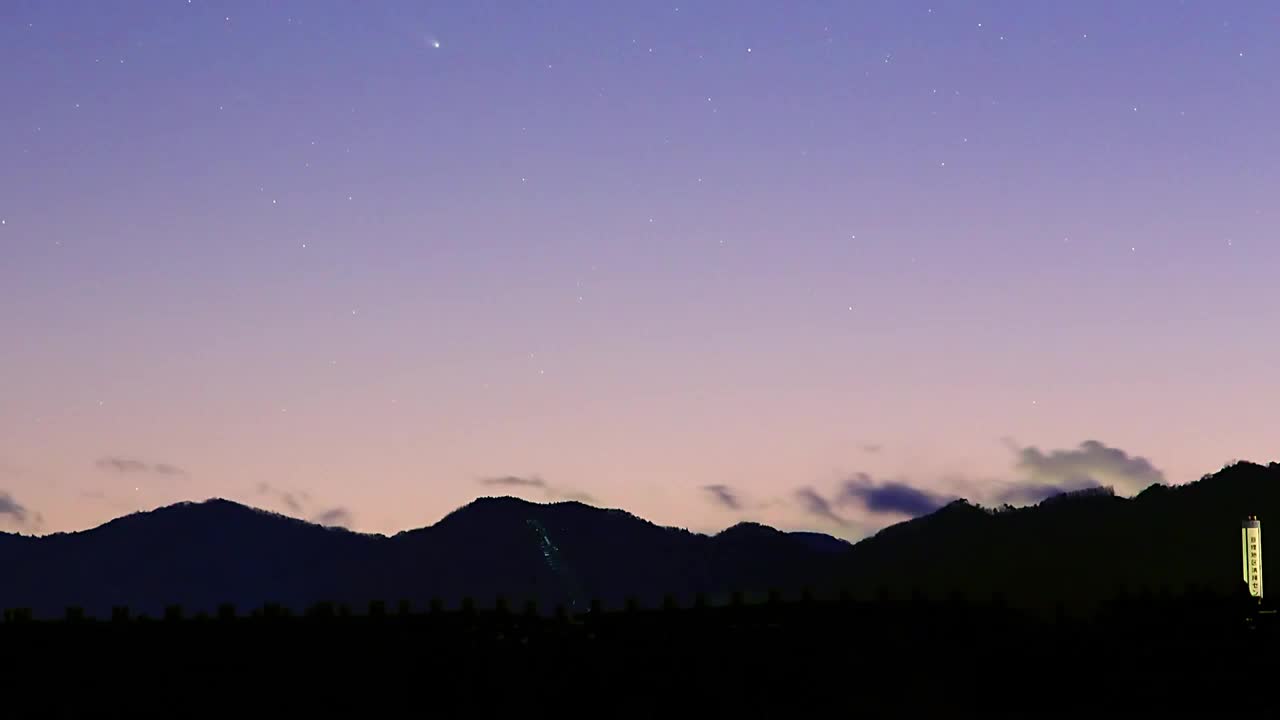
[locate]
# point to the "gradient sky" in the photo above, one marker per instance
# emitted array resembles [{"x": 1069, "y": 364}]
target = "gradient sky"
[{"x": 836, "y": 261}]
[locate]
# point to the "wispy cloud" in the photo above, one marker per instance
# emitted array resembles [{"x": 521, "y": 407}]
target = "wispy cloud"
[
  {"x": 334, "y": 517},
  {"x": 813, "y": 503},
  {"x": 724, "y": 496},
  {"x": 299, "y": 504},
  {"x": 577, "y": 495},
  {"x": 292, "y": 501},
  {"x": 131, "y": 465},
  {"x": 17, "y": 514},
  {"x": 1092, "y": 464},
  {"x": 517, "y": 483}
]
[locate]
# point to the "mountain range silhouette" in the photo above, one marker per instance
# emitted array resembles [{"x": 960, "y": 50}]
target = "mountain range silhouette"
[{"x": 1072, "y": 552}]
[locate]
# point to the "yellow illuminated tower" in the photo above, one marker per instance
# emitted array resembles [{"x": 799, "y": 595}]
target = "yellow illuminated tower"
[{"x": 1251, "y": 547}]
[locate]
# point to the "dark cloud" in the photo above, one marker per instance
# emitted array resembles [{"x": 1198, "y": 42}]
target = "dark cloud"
[
  {"x": 130, "y": 465},
  {"x": 890, "y": 497},
  {"x": 1092, "y": 464},
  {"x": 813, "y": 503},
  {"x": 14, "y": 512},
  {"x": 515, "y": 481},
  {"x": 334, "y": 517},
  {"x": 724, "y": 496}
]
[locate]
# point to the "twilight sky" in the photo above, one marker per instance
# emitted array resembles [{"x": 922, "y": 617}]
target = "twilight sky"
[{"x": 818, "y": 264}]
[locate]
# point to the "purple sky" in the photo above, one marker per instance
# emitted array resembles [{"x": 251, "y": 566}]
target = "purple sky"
[{"x": 835, "y": 261}]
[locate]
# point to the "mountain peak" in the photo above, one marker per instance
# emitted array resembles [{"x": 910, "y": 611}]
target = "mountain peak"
[{"x": 747, "y": 528}]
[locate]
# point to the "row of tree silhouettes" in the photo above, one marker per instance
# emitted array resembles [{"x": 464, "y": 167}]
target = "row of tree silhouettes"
[{"x": 1144, "y": 600}]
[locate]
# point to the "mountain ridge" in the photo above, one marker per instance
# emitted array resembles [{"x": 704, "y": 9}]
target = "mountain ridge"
[{"x": 1073, "y": 550}]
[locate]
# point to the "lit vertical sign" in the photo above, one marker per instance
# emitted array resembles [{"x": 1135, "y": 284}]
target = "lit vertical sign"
[{"x": 1251, "y": 551}]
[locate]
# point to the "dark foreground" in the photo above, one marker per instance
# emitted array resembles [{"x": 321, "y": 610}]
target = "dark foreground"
[{"x": 849, "y": 658}]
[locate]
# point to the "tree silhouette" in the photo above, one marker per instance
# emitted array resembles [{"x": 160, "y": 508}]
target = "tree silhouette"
[
  {"x": 18, "y": 615},
  {"x": 321, "y": 611}
]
